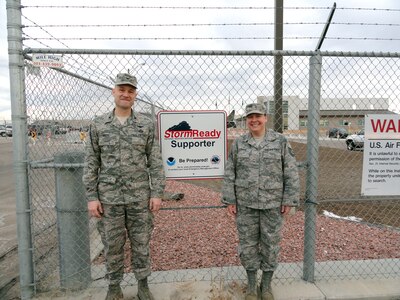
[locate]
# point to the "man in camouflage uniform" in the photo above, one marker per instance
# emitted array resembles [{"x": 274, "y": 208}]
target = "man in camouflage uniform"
[
  {"x": 261, "y": 184},
  {"x": 124, "y": 181}
]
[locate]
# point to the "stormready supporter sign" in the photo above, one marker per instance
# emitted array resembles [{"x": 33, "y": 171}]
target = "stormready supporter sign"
[
  {"x": 193, "y": 143},
  {"x": 381, "y": 166}
]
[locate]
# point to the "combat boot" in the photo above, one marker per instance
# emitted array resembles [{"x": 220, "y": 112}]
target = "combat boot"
[
  {"x": 114, "y": 292},
  {"x": 144, "y": 291},
  {"x": 266, "y": 290},
  {"x": 251, "y": 292}
]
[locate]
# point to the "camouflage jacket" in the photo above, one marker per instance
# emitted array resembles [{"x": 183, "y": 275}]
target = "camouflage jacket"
[
  {"x": 123, "y": 162},
  {"x": 263, "y": 176}
]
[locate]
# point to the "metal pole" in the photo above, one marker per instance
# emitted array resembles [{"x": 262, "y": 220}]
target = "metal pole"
[
  {"x": 72, "y": 222},
  {"x": 328, "y": 22},
  {"x": 20, "y": 157},
  {"x": 311, "y": 196},
  {"x": 278, "y": 66},
  {"x": 210, "y": 52}
]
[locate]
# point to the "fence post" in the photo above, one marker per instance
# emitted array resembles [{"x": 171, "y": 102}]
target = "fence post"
[
  {"x": 20, "y": 157},
  {"x": 72, "y": 221},
  {"x": 314, "y": 95}
]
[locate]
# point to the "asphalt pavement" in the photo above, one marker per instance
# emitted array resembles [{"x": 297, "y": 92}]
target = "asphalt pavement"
[
  {"x": 8, "y": 223},
  {"x": 8, "y": 227}
]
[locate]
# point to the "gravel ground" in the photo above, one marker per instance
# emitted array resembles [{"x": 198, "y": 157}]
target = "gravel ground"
[
  {"x": 201, "y": 238},
  {"x": 186, "y": 237},
  {"x": 196, "y": 232}
]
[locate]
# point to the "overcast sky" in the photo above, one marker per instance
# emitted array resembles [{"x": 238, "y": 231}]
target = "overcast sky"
[{"x": 296, "y": 36}]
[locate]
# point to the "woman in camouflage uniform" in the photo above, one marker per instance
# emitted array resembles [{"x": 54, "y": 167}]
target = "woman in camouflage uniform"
[{"x": 261, "y": 185}]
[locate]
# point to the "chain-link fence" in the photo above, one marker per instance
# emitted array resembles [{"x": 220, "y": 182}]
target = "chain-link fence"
[{"x": 346, "y": 234}]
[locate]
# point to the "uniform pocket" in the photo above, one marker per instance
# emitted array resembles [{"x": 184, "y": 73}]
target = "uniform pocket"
[
  {"x": 242, "y": 188},
  {"x": 106, "y": 183},
  {"x": 138, "y": 145},
  {"x": 105, "y": 143},
  {"x": 271, "y": 190},
  {"x": 139, "y": 191},
  {"x": 272, "y": 154},
  {"x": 108, "y": 149},
  {"x": 272, "y": 184}
]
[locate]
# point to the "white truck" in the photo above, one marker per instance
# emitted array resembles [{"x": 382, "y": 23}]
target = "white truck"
[{"x": 355, "y": 141}]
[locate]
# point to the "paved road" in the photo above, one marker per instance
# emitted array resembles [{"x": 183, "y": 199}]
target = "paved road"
[
  {"x": 8, "y": 225},
  {"x": 9, "y": 286}
]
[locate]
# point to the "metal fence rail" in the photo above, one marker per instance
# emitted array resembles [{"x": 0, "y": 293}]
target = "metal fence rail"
[{"x": 61, "y": 104}]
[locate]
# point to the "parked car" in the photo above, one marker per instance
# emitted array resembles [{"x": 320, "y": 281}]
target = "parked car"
[
  {"x": 63, "y": 130},
  {"x": 9, "y": 131},
  {"x": 339, "y": 133},
  {"x": 355, "y": 140},
  {"x": 3, "y": 130},
  {"x": 6, "y": 130}
]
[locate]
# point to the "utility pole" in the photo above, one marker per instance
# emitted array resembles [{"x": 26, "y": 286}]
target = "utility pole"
[{"x": 278, "y": 67}]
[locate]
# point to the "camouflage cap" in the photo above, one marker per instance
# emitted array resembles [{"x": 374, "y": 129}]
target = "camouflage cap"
[
  {"x": 255, "y": 108},
  {"x": 124, "y": 78}
]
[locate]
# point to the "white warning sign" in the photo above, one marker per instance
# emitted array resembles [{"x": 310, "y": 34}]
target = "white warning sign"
[{"x": 381, "y": 165}]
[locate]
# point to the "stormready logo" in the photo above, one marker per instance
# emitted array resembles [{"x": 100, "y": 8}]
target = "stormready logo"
[{"x": 184, "y": 131}]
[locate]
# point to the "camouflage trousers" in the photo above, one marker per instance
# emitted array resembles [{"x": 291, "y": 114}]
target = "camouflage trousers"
[
  {"x": 120, "y": 221},
  {"x": 259, "y": 237}
]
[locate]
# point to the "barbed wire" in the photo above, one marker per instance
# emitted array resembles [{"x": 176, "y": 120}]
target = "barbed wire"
[
  {"x": 25, "y": 36},
  {"x": 192, "y": 25},
  {"x": 93, "y": 71},
  {"x": 41, "y": 27},
  {"x": 211, "y": 24},
  {"x": 220, "y": 38},
  {"x": 207, "y": 7},
  {"x": 78, "y": 64}
]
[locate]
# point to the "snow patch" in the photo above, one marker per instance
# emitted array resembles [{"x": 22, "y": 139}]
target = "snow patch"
[{"x": 332, "y": 215}]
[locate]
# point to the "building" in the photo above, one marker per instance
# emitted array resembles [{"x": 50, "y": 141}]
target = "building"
[{"x": 345, "y": 113}]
